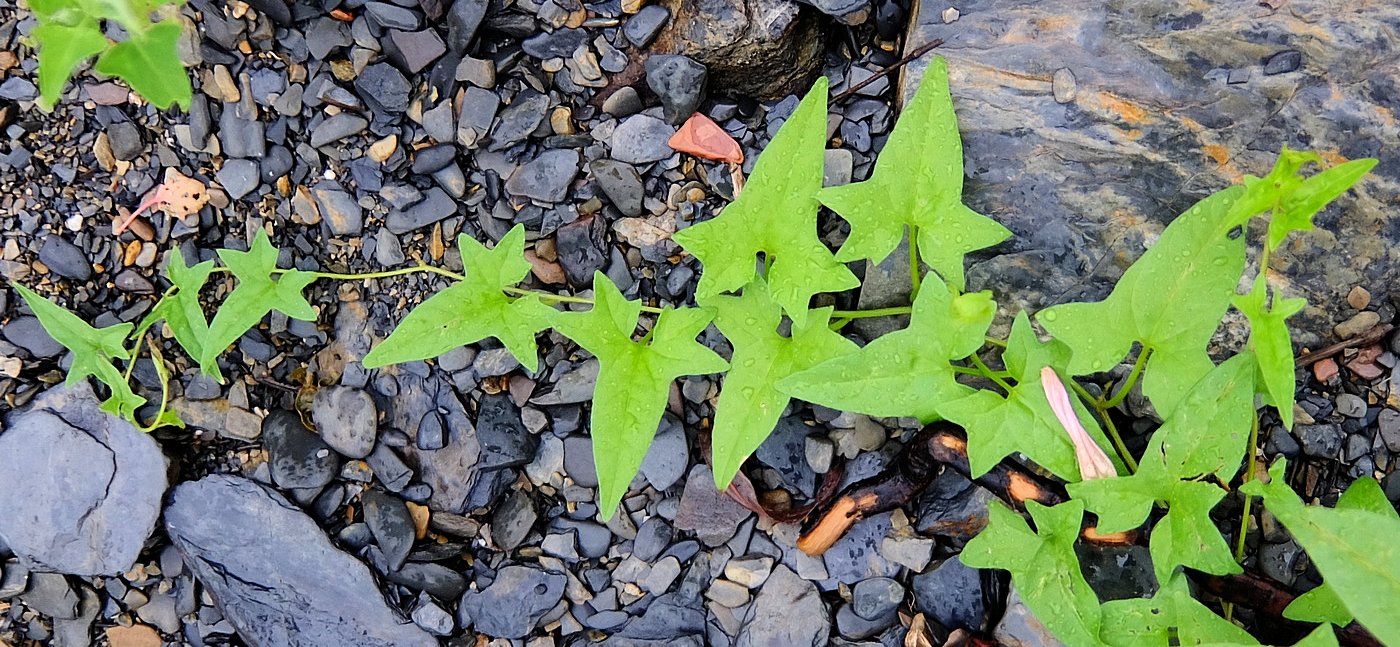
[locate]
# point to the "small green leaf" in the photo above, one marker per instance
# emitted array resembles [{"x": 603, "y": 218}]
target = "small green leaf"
[
  {"x": 61, "y": 49},
  {"x": 1304, "y": 202},
  {"x": 150, "y": 64},
  {"x": 906, "y": 372},
  {"x": 1263, "y": 194},
  {"x": 1022, "y": 421},
  {"x": 918, "y": 182},
  {"x": 1353, "y": 547},
  {"x": 93, "y": 350},
  {"x": 256, "y": 295},
  {"x": 1272, "y": 346},
  {"x": 750, "y": 404},
  {"x": 181, "y": 311},
  {"x": 1170, "y": 617},
  {"x": 473, "y": 309},
  {"x": 776, "y": 215},
  {"x": 634, "y": 378},
  {"x": 1043, "y": 566},
  {"x": 1170, "y": 300}
]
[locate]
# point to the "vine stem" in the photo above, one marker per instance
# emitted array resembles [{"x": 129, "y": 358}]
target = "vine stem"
[
  {"x": 913, "y": 262},
  {"x": 989, "y": 373},
  {"x": 159, "y": 362},
  {"x": 1248, "y": 476},
  {"x": 865, "y": 314},
  {"x": 1129, "y": 383}
]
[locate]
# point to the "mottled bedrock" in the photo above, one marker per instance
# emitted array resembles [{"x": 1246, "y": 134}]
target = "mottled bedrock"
[{"x": 1089, "y": 125}]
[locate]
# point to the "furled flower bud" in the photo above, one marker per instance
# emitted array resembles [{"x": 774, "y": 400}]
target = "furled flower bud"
[{"x": 1093, "y": 462}]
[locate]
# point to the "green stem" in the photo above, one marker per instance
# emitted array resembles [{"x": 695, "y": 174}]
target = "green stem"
[
  {"x": 989, "y": 373},
  {"x": 866, "y": 314},
  {"x": 965, "y": 370},
  {"x": 837, "y": 324},
  {"x": 993, "y": 341},
  {"x": 1129, "y": 383},
  {"x": 1248, "y": 476},
  {"x": 913, "y": 262},
  {"x": 388, "y": 273},
  {"x": 159, "y": 363}
]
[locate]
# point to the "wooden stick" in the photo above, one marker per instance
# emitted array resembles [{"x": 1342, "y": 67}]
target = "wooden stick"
[
  {"x": 918, "y": 51},
  {"x": 1369, "y": 337}
]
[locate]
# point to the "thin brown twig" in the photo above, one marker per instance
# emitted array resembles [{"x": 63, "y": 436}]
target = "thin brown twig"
[
  {"x": 1369, "y": 337},
  {"x": 918, "y": 51}
]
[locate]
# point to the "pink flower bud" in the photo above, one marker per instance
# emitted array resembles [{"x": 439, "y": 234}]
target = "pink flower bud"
[{"x": 1093, "y": 463}]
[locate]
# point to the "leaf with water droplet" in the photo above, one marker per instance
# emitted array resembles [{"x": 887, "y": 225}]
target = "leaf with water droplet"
[
  {"x": 776, "y": 215},
  {"x": 917, "y": 182},
  {"x": 906, "y": 372},
  {"x": 1022, "y": 421},
  {"x": 634, "y": 378},
  {"x": 93, "y": 350},
  {"x": 750, "y": 403},
  {"x": 1169, "y": 305},
  {"x": 1272, "y": 346}
]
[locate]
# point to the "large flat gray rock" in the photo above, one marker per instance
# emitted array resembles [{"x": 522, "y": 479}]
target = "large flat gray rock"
[
  {"x": 274, "y": 574},
  {"x": 1089, "y": 125},
  {"x": 80, "y": 489}
]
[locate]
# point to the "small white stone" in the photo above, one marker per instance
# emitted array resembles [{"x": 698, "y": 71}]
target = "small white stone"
[{"x": 950, "y": 15}]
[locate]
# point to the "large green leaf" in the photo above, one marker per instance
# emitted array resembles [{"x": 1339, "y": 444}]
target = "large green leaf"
[
  {"x": 1322, "y": 604},
  {"x": 1354, "y": 548},
  {"x": 750, "y": 404},
  {"x": 1170, "y": 300},
  {"x": 181, "y": 311},
  {"x": 61, "y": 49},
  {"x": 93, "y": 350},
  {"x": 1022, "y": 421},
  {"x": 1272, "y": 346},
  {"x": 150, "y": 64},
  {"x": 906, "y": 372},
  {"x": 776, "y": 216},
  {"x": 256, "y": 294},
  {"x": 1043, "y": 566},
  {"x": 634, "y": 378},
  {"x": 1205, "y": 437},
  {"x": 473, "y": 309},
  {"x": 917, "y": 182}
]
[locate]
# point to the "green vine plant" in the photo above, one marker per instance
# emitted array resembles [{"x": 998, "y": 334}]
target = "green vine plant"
[
  {"x": 71, "y": 32},
  {"x": 764, "y": 263}
]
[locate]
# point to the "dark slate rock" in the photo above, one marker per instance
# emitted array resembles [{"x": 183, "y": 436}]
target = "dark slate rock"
[
  {"x": 392, "y": 526},
  {"x": 876, "y": 597},
  {"x": 1321, "y": 440},
  {"x": 80, "y": 488},
  {"x": 512, "y": 520},
  {"x": 953, "y": 507},
  {"x": 347, "y": 420},
  {"x": 853, "y": 627},
  {"x": 1282, "y": 443},
  {"x": 478, "y": 111},
  {"x": 653, "y": 536},
  {"x": 951, "y": 594},
  {"x": 513, "y": 603},
  {"x": 504, "y": 440},
  {"x": 579, "y": 246},
  {"x": 434, "y": 579},
  {"x": 51, "y": 595},
  {"x": 278, "y": 161},
  {"x": 787, "y": 611},
  {"x": 65, "y": 258},
  {"x": 856, "y": 555},
  {"x": 451, "y": 471},
  {"x": 785, "y": 450},
  {"x": 391, "y": 16},
  {"x": 851, "y": 12},
  {"x": 559, "y": 43},
  {"x": 432, "y": 158},
  {"x": 621, "y": 183},
  {"x": 1027, "y": 166},
  {"x": 547, "y": 177},
  {"x": 125, "y": 140},
  {"x": 276, "y": 577},
  {"x": 75, "y": 631},
  {"x": 29, "y": 334},
  {"x": 388, "y": 468},
  {"x": 382, "y": 85},
  {"x": 707, "y": 512},
  {"x": 17, "y": 88},
  {"x": 1117, "y": 572},
  {"x": 463, "y": 18},
  {"x": 336, "y": 128},
  {"x": 518, "y": 120},
  {"x": 1283, "y": 62},
  {"x": 435, "y": 206},
  {"x": 415, "y": 50},
  {"x": 668, "y": 456},
  {"x": 240, "y": 131},
  {"x": 760, "y": 49},
  {"x": 644, "y": 25},
  {"x": 275, "y": 9},
  {"x": 642, "y": 139},
  {"x": 680, "y": 83},
  {"x": 299, "y": 458},
  {"x": 238, "y": 177}
]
